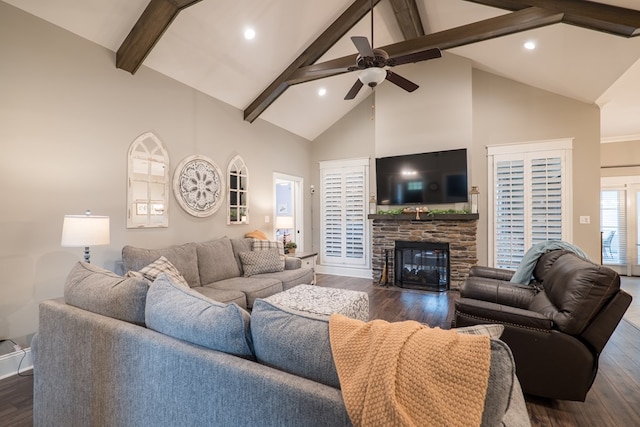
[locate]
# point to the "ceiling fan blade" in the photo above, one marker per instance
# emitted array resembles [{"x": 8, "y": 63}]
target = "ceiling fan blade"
[
  {"x": 415, "y": 57},
  {"x": 400, "y": 81},
  {"x": 354, "y": 90},
  {"x": 363, "y": 46}
]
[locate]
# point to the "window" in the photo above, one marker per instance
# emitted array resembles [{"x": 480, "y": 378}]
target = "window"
[
  {"x": 344, "y": 189},
  {"x": 613, "y": 224},
  {"x": 529, "y": 198}
]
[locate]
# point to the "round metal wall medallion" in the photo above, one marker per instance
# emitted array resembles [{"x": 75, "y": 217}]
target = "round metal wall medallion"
[{"x": 198, "y": 185}]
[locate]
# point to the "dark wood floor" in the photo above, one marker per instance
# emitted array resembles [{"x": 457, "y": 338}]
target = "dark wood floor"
[{"x": 614, "y": 399}]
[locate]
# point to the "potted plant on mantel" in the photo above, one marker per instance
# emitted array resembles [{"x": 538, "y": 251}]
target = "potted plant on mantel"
[{"x": 291, "y": 247}]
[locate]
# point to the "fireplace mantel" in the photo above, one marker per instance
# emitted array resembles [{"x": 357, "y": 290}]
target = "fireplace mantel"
[{"x": 425, "y": 217}]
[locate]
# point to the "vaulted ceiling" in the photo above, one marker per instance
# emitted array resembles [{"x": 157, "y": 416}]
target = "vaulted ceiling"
[{"x": 585, "y": 50}]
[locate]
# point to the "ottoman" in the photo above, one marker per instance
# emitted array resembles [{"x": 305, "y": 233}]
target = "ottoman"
[{"x": 324, "y": 301}]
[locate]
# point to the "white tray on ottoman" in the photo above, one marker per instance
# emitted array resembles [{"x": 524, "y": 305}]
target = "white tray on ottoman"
[{"x": 324, "y": 301}]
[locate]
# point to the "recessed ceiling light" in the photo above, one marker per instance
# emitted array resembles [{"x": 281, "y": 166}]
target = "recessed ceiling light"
[
  {"x": 530, "y": 45},
  {"x": 322, "y": 91},
  {"x": 249, "y": 33}
]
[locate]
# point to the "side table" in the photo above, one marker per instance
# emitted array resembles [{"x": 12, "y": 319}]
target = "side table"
[{"x": 308, "y": 261}]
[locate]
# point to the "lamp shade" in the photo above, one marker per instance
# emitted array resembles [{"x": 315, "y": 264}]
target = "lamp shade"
[
  {"x": 372, "y": 76},
  {"x": 284, "y": 222},
  {"x": 85, "y": 230}
]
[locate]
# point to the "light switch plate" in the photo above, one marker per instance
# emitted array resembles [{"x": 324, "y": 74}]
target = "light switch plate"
[{"x": 585, "y": 219}]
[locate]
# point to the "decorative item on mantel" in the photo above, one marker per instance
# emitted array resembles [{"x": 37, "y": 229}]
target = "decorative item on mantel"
[
  {"x": 474, "y": 193},
  {"x": 85, "y": 230},
  {"x": 373, "y": 204}
]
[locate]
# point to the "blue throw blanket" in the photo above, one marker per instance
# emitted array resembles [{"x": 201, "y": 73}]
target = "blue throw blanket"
[{"x": 524, "y": 273}]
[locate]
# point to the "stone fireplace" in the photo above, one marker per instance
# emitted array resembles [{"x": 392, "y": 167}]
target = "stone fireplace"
[{"x": 456, "y": 230}]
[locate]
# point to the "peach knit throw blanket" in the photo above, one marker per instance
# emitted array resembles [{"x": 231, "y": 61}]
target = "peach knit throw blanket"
[{"x": 408, "y": 374}]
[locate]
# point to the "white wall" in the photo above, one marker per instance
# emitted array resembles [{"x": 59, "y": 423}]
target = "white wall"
[{"x": 67, "y": 117}]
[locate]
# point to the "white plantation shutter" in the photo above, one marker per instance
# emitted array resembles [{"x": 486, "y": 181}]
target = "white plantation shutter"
[
  {"x": 510, "y": 214},
  {"x": 546, "y": 199},
  {"x": 529, "y": 199},
  {"x": 344, "y": 207}
]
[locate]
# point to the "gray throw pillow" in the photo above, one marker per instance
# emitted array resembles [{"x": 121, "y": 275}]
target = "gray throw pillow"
[
  {"x": 293, "y": 341},
  {"x": 262, "y": 261},
  {"x": 262, "y": 245},
  {"x": 103, "y": 292},
  {"x": 180, "y": 312}
]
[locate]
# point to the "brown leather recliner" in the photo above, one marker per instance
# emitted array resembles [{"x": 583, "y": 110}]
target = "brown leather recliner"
[{"x": 556, "y": 327}]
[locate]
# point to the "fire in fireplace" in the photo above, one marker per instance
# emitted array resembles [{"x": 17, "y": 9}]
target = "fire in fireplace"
[{"x": 422, "y": 265}]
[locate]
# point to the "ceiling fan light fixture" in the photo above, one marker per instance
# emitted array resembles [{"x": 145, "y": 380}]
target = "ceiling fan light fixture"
[
  {"x": 249, "y": 33},
  {"x": 373, "y": 76}
]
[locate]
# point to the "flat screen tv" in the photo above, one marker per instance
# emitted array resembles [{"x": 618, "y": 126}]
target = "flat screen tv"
[{"x": 428, "y": 178}]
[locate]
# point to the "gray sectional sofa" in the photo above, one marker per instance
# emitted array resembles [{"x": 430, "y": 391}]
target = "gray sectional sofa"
[
  {"x": 215, "y": 269},
  {"x": 118, "y": 352}
]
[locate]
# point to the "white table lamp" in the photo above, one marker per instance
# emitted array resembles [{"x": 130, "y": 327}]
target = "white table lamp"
[
  {"x": 84, "y": 231},
  {"x": 284, "y": 223}
]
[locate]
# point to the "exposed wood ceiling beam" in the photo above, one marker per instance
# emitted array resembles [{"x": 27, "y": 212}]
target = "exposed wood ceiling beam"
[
  {"x": 144, "y": 35},
  {"x": 471, "y": 33},
  {"x": 527, "y": 14},
  {"x": 587, "y": 14},
  {"x": 408, "y": 18},
  {"x": 319, "y": 47}
]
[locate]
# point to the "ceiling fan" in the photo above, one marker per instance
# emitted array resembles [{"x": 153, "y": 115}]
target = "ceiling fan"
[{"x": 374, "y": 63}]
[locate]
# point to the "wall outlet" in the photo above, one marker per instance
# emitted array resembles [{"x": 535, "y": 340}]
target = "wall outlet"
[
  {"x": 266, "y": 219},
  {"x": 585, "y": 219}
]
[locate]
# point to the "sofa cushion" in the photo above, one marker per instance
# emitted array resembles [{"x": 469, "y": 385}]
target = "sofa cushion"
[
  {"x": 258, "y": 262},
  {"x": 158, "y": 267},
  {"x": 216, "y": 260},
  {"x": 103, "y": 292},
  {"x": 180, "y": 312},
  {"x": 293, "y": 341},
  {"x": 239, "y": 246},
  {"x": 183, "y": 257},
  {"x": 252, "y": 287},
  {"x": 227, "y": 296},
  {"x": 290, "y": 278},
  {"x": 261, "y": 245}
]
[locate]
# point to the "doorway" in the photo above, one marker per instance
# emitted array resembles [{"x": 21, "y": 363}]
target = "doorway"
[
  {"x": 288, "y": 224},
  {"x": 620, "y": 223}
]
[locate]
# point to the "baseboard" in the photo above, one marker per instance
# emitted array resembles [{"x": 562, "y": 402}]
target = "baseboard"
[
  {"x": 9, "y": 363},
  {"x": 362, "y": 273}
]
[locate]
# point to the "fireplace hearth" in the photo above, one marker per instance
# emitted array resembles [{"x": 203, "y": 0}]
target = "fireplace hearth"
[{"x": 422, "y": 265}]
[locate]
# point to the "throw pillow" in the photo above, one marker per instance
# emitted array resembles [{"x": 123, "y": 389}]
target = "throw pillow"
[
  {"x": 493, "y": 330},
  {"x": 258, "y": 262},
  {"x": 162, "y": 265},
  {"x": 257, "y": 234},
  {"x": 103, "y": 292},
  {"x": 180, "y": 312},
  {"x": 261, "y": 245},
  {"x": 293, "y": 341}
]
